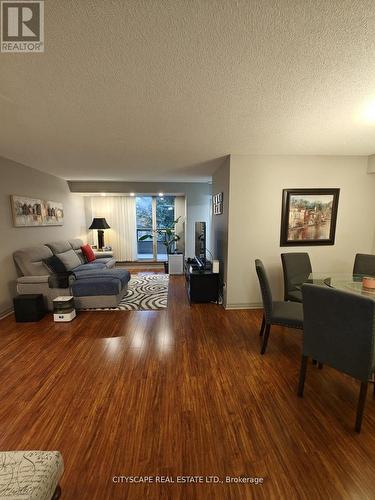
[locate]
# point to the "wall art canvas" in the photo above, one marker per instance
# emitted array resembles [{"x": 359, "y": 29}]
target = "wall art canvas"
[
  {"x": 53, "y": 213},
  {"x": 28, "y": 212},
  {"x": 309, "y": 217}
]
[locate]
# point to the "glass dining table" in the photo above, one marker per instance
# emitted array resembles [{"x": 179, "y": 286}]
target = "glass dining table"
[{"x": 348, "y": 282}]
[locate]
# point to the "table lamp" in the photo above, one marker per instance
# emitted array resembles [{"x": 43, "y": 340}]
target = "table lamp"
[{"x": 100, "y": 224}]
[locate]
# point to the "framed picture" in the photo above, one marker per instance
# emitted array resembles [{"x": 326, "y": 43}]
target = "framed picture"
[
  {"x": 309, "y": 217},
  {"x": 53, "y": 213},
  {"x": 30, "y": 212},
  {"x": 217, "y": 204}
]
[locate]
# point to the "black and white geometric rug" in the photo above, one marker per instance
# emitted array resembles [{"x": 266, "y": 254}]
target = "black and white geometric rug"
[{"x": 146, "y": 292}]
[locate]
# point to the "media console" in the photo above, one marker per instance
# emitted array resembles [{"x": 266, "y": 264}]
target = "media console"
[{"x": 202, "y": 284}]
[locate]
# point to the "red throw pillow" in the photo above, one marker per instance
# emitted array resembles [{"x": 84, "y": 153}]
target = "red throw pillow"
[{"x": 88, "y": 253}]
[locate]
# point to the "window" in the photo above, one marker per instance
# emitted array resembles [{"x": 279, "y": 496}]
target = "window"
[{"x": 153, "y": 212}]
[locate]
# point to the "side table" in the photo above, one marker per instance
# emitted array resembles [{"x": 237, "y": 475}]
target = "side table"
[{"x": 101, "y": 254}]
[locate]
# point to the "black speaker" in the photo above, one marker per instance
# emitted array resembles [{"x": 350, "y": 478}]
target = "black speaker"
[
  {"x": 29, "y": 308},
  {"x": 203, "y": 286}
]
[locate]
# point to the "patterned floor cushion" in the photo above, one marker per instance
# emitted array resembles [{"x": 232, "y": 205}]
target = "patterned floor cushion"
[{"x": 31, "y": 475}]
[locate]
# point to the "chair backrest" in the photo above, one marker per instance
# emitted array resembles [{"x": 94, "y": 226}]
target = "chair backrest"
[
  {"x": 339, "y": 329},
  {"x": 296, "y": 268},
  {"x": 364, "y": 264},
  {"x": 265, "y": 289}
]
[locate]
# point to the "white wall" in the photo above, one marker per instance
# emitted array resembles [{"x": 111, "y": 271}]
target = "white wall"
[
  {"x": 256, "y": 184},
  {"x": 22, "y": 180},
  {"x": 197, "y": 194},
  {"x": 371, "y": 164}
]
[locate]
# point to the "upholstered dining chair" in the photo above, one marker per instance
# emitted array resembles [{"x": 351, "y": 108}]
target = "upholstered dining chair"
[
  {"x": 296, "y": 268},
  {"x": 364, "y": 264},
  {"x": 289, "y": 314},
  {"x": 339, "y": 330}
]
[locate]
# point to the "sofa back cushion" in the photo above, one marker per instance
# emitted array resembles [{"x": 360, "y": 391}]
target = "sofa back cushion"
[
  {"x": 59, "y": 246},
  {"x": 80, "y": 256},
  {"x": 76, "y": 243},
  {"x": 70, "y": 259},
  {"x": 88, "y": 253},
  {"x": 29, "y": 261}
]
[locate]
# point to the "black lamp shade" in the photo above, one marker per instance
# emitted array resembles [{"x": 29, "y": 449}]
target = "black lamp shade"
[{"x": 99, "y": 223}]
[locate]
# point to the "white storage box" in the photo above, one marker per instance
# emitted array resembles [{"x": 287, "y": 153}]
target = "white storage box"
[
  {"x": 176, "y": 263},
  {"x": 64, "y": 309}
]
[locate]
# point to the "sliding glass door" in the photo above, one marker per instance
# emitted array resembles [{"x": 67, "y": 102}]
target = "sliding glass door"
[
  {"x": 153, "y": 212},
  {"x": 144, "y": 211}
]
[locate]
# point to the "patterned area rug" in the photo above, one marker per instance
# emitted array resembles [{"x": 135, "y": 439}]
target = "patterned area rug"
[{"x": 146, "y": 292}]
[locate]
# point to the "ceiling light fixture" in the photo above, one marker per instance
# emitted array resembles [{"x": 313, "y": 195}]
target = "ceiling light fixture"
[
  {"x": 132, "y": 194},
  {"x": 161, "y": 195}
]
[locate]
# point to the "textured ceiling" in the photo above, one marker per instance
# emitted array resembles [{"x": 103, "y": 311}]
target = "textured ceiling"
[{"x": 161, "y": 90}]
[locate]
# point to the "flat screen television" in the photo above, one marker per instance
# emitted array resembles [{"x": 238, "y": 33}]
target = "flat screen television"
[{"x": 200, "y": 240}]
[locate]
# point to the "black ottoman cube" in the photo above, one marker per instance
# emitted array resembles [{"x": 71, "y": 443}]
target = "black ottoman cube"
[{"x": 29, "y": 308}]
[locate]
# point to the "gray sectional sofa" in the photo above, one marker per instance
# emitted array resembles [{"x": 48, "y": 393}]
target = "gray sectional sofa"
[{"x": 94, "y": 284}]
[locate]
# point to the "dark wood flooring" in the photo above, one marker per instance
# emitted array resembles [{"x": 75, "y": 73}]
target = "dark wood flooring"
[{"x": 182, "y": 391}]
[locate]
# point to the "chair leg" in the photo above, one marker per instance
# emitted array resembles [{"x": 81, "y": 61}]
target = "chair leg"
[
  {"x": 265, "y": 338},
  {"x": 361, "y": 406},
  {"x": 302, "y": 376},
  {"x": 57, "y": 493},
  {"x": 262, "y": 327},
  {"x": 320, "y": 366}
]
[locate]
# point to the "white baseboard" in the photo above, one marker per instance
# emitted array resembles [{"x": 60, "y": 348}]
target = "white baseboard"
[
  {"x": 4, "y": 314},
  {"x": 245, "y": 305}
]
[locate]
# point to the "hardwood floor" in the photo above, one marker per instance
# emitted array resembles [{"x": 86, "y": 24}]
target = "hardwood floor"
[
  {"x": 138, "y": 267},
  {"x": 181, "y": 391}
]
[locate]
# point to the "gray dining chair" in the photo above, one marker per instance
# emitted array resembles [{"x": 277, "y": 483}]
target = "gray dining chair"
[
  {"x": 289, "y": 314},
  {"x": 339, "y": 331},
  {"x": 296, "y": 269},
  {"x": 364, "y": 264}
]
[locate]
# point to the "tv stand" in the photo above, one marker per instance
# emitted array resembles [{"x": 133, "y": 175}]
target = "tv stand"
[{"x": 202, "y": 285}]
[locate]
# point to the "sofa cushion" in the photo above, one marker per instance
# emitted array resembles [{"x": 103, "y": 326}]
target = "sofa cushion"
[
  {"x": 80, "y": 256},
  {"x": 70, "y": 259},
  {"x": 121, "y": 274},
  {"x": 30, "y": 474},
  {"x": 55, "y": 265},
  {"x": 75, "y": 243},
  {"x": 30, "y": 260},
  {"x": 88, "y": 253},
  {"x": 109, "y": 261},
  {"x": 99, "y": 285},
  {"x": 90, "y": 266},
  {"x": 33, "y": 280},
  {"x": 62, "y": 280},
  {"x": 59, "y": 246}
]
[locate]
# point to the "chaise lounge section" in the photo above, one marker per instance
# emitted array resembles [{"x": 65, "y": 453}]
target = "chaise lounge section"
[{"x": 94, "y": 285}]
